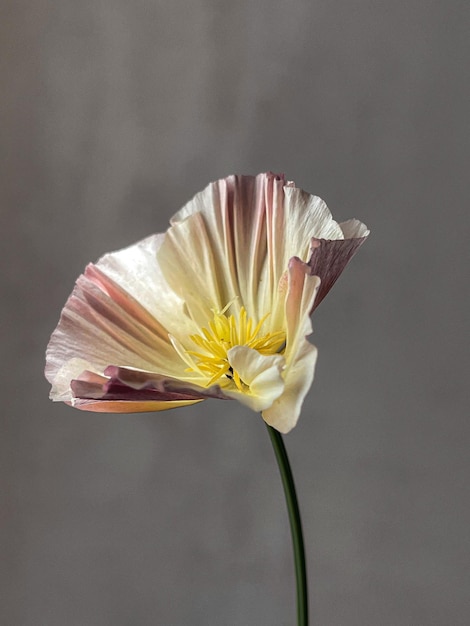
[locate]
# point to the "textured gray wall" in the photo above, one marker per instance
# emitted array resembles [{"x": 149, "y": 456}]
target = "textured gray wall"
[{"x": 113, "y": 114}]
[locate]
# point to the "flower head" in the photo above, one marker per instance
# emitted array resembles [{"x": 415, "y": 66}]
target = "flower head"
[{"x": 218, "y": 306}]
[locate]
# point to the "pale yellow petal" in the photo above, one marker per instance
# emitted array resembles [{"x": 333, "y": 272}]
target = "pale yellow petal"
[{"x": 126, "y": 406}]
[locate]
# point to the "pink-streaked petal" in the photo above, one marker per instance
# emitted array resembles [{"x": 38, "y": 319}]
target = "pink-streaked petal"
[
  {"x": 125, "y": 301},
  {"x": 328, "y": 260},
  {"x": 91, "y": 377},
  {"x": 137, "y": 271},
  {"x": 102, "y": 324},
  {"x": 224, "y": 228},
  {"x": 138, "y": 380},
  {"x": 308, "y": 283},
  {"x": 114, "y": 390},
  {"x": 301, "y": 295},
  {"x": 241, "y": 232},
  {"x": 130, "y": 391}
]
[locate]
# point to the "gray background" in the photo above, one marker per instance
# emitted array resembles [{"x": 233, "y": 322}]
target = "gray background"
[{"x": 115, "y": 113}]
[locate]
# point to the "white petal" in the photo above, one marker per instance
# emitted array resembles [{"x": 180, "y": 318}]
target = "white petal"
[
  {"x": 262, "y": 374},
  {"x": 353, "y": 229},
  {"x": 285, "y": 411},
  {"x": 307, "y": 216},
  {"x": 137, "y": 271},
  {"x": 60, "y": 381}
]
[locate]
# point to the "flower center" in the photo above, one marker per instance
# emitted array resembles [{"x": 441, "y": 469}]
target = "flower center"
[{"x": 226, "y": 332}]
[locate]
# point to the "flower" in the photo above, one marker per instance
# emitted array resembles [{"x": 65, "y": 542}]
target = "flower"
[{"x": 218, "y": 306}]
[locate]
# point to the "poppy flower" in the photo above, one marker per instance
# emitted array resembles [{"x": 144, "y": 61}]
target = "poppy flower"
[{"x": 217, "y": 307}]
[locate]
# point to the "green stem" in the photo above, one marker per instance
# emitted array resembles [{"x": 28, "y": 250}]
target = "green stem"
[{"x": 295, "y": 525}]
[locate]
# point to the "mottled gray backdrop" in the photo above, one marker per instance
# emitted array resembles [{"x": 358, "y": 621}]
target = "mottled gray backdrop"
[{"x": 113, "y": 114}]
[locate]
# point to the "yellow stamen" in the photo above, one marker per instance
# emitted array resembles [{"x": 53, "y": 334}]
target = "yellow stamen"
[{"x": 226, "y": 332}]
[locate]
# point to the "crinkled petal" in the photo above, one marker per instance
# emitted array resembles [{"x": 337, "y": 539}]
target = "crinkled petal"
[
  {"x": 232, "y": 242},
  {"x": 354, "y": 229},
  {"x": 59, "y": 374},
  {"x": 113, "y": 390},
  {"x": 127, "y": 390},
  {"x": 103, "y": 323},
  {"x": 137, "y": 271},
  {"x": 139, "y": 380}
]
